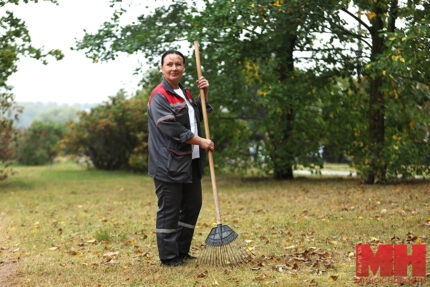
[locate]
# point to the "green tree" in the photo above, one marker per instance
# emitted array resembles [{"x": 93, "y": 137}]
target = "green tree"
[
  {"x": 113, "y": 135},
  {"x": 249, "y": 54},
  {"x": 247, "y": 49},
  {"x": 39, "y": 144},
  {"x": 15, "y": 42},
  {"x": 390, "y": 138}
]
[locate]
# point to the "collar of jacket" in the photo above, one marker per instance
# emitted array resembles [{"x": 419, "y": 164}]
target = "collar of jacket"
[{"x": 169, "y": 88}]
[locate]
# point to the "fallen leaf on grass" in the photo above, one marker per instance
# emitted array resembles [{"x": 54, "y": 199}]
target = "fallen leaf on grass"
[
  {"x": 294, "y": 266},
  {"x": 279, "y": 268},
  {"x": 261, "y": 278},
  {"x": 418, "y": 240},
  {"x": 111, "y": 261},
  {"x": 91, "y": 240},
  {"x": 203, "y": 274},
  {"x": 53, "y": 248},
  {"x": 395, "y": 239},
  {"x": 332, "y": 278},
  {"x": 76, "y": 253},
  {"x": 413, "y": 238},
  {"x": 111, "y": 254},
  {"x": 374, "y": 239}
]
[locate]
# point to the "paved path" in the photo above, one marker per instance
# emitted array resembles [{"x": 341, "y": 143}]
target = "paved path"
[{"x": 325, "y": 172}]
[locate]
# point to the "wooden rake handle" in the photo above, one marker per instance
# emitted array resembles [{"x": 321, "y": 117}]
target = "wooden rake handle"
[{"x": 205, "y": 120}]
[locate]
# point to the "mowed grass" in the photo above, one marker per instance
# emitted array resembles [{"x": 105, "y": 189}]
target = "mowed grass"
[{"x": 68, "y": 226}]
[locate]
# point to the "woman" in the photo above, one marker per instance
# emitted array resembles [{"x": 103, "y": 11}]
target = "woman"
[{"x": 176, "y": 159}]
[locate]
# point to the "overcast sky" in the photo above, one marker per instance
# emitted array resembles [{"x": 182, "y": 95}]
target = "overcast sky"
[{"x": 75, "y": 79}]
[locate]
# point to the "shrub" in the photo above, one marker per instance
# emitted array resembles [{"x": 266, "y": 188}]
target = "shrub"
[
  {"x": 38, "y": 144},
  {"x": 114, "y": 135}
]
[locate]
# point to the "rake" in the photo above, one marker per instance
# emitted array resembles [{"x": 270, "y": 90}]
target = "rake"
[{"x": 223, "y": 247}]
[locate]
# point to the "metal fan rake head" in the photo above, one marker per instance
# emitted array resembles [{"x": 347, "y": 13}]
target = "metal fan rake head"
[{"x": 223, "y": 247}]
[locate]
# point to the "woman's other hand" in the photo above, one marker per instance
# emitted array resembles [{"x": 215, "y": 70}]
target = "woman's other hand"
[{"x": 202, "y": 83}]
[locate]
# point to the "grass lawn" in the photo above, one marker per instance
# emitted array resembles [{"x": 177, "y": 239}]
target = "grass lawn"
[{"x": 67, "y": 226}]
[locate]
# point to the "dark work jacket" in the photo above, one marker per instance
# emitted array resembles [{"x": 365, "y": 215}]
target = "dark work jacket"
[{"x": 170, "y": 157}]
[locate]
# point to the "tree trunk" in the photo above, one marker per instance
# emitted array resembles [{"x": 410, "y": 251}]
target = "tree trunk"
[
  {"x": 283, "y": 165},
  {"x": 377, "y": 101},
  {"x": 283, "y": 158}
]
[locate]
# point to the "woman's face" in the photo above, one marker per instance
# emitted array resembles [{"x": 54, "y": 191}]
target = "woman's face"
[{"x": 172, "y": 68}]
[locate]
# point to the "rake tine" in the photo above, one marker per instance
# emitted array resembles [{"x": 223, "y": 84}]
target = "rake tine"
[{"x": 229, "y": 254}]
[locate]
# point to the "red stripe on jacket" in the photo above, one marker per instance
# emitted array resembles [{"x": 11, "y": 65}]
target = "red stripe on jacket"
[{"x": 171, "y": 98}]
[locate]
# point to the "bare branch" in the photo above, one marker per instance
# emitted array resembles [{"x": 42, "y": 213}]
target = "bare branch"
[
  {"x": 356, "y": 18},
  {"x": 358, "y": 36}
]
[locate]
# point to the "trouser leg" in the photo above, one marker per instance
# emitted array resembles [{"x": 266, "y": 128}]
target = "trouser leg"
[
  {"x": 169, "y": 203},
  {"x": 190, "y": 209}
]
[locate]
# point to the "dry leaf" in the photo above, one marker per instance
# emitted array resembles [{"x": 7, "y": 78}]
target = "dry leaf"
[
  {"x": 370, "y": 15},
  {"x": 332, "y": 278},
  {"x": 261, "y": 278},
  {"x": 203, "y": 274},
  {"x": 111, "y": 254}
]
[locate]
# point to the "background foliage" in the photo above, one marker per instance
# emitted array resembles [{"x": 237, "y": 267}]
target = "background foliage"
[
  {"x": 302, "y": 76},
  {"x": 38, "y": 144},
  {"x": 113, "y": 135},
  {"x": 15, "y": 42}
]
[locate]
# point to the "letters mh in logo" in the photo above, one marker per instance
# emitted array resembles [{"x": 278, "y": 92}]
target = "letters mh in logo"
[{"x": 391, "y": 260}]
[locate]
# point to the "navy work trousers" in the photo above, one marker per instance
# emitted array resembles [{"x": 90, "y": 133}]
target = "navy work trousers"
[{"x": 178, "y": 209}]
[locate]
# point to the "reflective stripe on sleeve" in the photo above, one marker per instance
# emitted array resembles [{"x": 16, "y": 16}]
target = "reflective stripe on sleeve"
[{"x": 168, "y": 117}]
